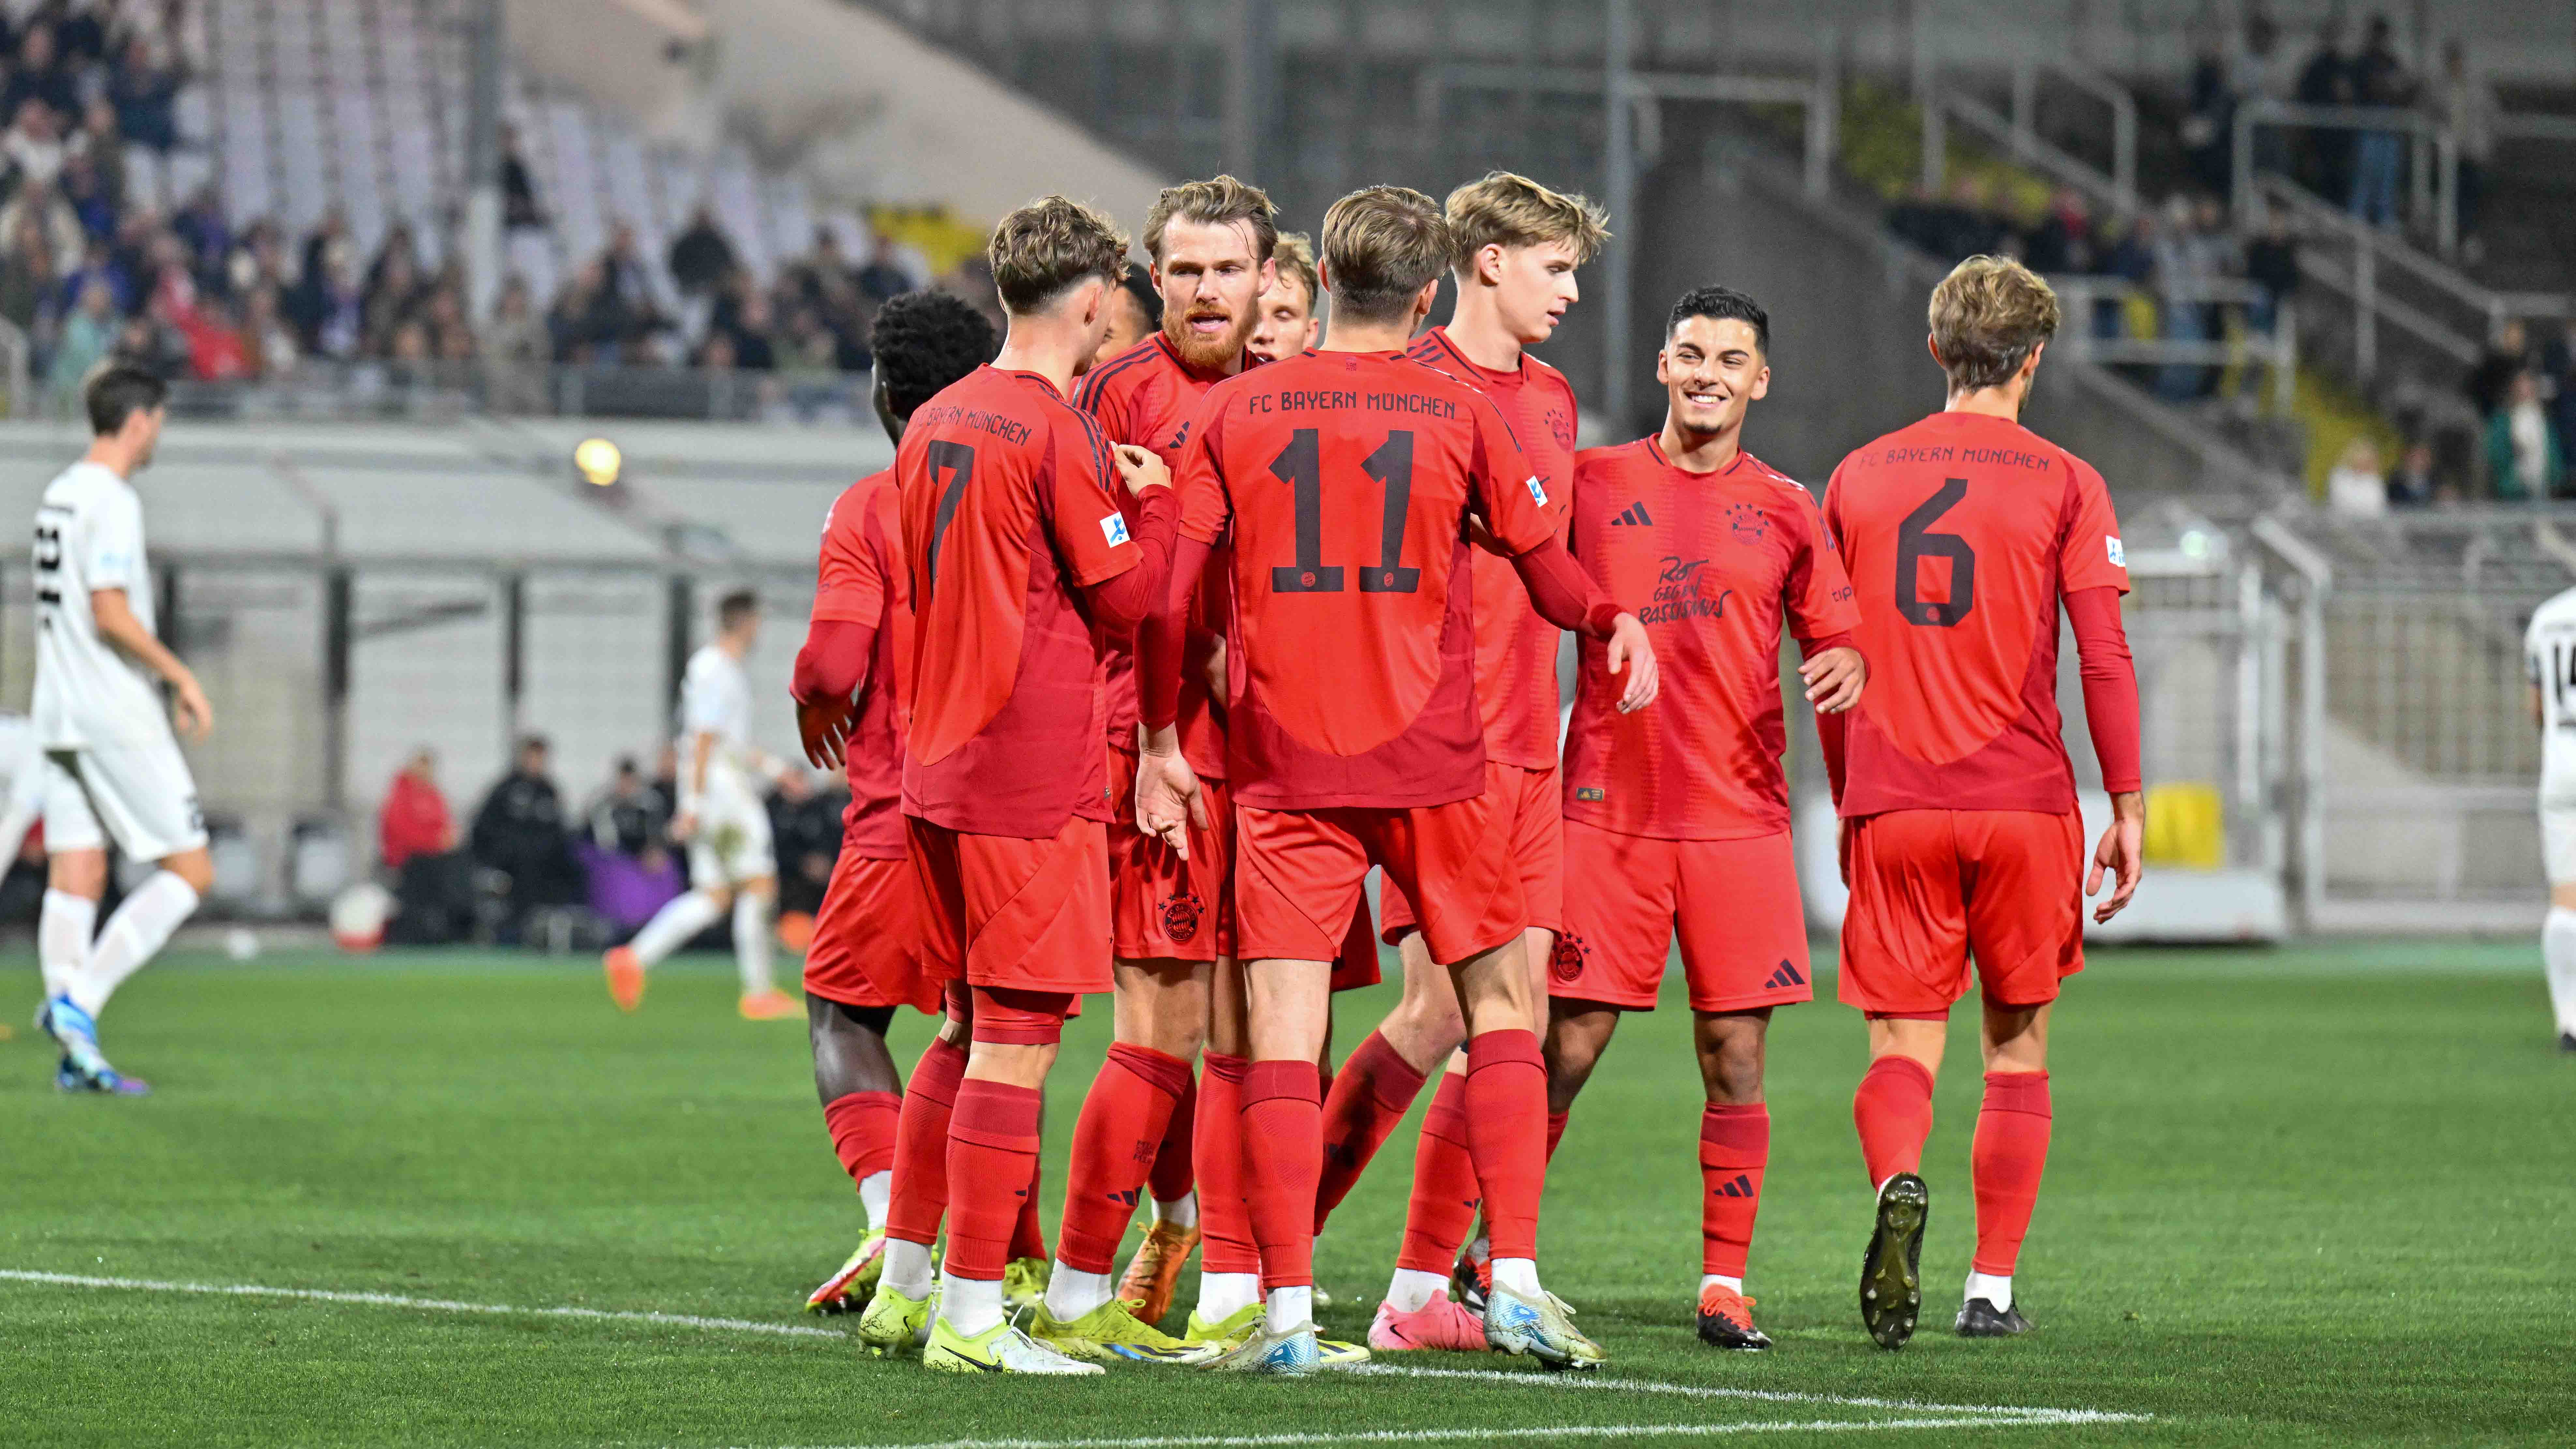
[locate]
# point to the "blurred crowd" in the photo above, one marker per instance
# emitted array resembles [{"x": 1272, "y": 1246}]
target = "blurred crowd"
[{"x": 528, "y": 866}]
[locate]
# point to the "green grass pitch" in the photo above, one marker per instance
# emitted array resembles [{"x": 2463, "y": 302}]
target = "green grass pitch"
[{"x": 2316, "y": 1195}]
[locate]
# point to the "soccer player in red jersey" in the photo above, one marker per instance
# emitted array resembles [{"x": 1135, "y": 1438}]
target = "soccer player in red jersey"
[
  {"x": 1515, "y": 247},
  {"x": 1290, "y": 320},
  {"x": 1018, "y": 563},
  {"x": 1345, "y": 479},
  {"x": 852, "y": 691},
  {"x": 1172, "y": 918},
  {"x": 1964, "y": 534},
  {"x": 1677, "y": 817}
]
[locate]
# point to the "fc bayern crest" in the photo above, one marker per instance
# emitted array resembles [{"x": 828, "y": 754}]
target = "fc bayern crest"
[
  {"x": 1749, "y": 524},
  {"x": 1560, "y": 427},
  {"x": 1572, "y": 954},
  {"x": 1181, "y": 915}
]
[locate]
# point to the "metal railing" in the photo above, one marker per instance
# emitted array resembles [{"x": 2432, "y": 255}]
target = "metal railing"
[
  {"x": 2018, "y": 132},
  {"x": 2273, "y": 346}
]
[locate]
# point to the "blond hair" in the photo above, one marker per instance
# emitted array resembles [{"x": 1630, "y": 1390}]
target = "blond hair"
[
  {"x": 1296, "y": 258},
  {"x": 1509, "y": 210},
  {"x": 1048, "y": 245},
  {"x": 1987, "y": 317},
  {"x": 1217, "y": 201},
  {"x": 1382, "y": 246}
]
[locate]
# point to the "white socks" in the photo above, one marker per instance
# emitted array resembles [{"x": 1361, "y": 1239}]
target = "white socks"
[
  {"x": 970, "y": 1305},
  {"x": 1223, "y": 1295},
  {"x": 1072, "y": 1293},
  {"x": 134, "y": 935},
  {"x": 1181, "y": 1212},
  {"x": 63, "y": 929},
  {"x": 1413, "y": 1288},
  {"x": 1731, "y": 1285},
  {"x": 1997, "y": 1291},
  {"x": 907, "y": 1266},
  {"x": 875, "y": 1191},
  {"x": 751, "y": 943},
  {"x": 673, "y": 926},
  {"x": 1291, "y": 1308},
  {"x": 2557, "y": 950},
  {"x": 1519, "y": 1275}
]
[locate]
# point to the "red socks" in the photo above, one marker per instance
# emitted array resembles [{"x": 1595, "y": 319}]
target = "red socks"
[
  {"x": 1174, "y": 1175},
  {"x": 2011, "y": 1149},
  {"x": 1893, "y": 1110},
  {"x": 992, "y": 1168},
  {"x": 862, "y": 1125},
  {"x": 1371, "y": 1094},
  {"x": 1114, "y": 1144},
  {"x": 1283, "y": 1155},
  {"x": 1507, "y": 1135},
  {"x": 921, "y": 1145},
  {"x": 1443, "y": 1209},
  {"x": 1556, "y": 1130},
  {"x": 1028, "y": 1240},
  {"x": 1734, "y": 1146},
  {"x": 1225, "y": 1222}
]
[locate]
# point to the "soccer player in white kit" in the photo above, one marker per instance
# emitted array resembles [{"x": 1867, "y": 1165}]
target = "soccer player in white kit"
[
  {"x": 112, "y": 766},
  {"x": 2549, "y": 653},
  {"x": 722, "y": 821}
]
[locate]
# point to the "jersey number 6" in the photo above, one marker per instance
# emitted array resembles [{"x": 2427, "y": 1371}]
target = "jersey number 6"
[
  {"x": 1300, "y": 465},
  {"x": 1915, "y": 539}
]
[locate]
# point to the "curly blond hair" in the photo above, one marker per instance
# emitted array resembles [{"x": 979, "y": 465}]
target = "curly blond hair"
[
  {"x": 1048, "y": 245},
  {"x": 1987, "y": 317},
  {"x": 1507, "y": 209},
  {"x": 1217, "y": 201}
]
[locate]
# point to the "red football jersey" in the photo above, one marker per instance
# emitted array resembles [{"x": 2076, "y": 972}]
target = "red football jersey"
[
  {"x": 1343, "y": 481},
  {"x": 1515, "y": 648},
  {"x": 1727, "y": 559},
  {"x": 860, "y": 580},
  {"x": 1961, "y": 534},
  {"x": 1006, "y": 513},
  {"x": 1146, "y": 396}
]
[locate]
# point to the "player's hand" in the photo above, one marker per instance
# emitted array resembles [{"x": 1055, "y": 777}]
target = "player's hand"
[
  {"x": 1141, "y": 468},
  {"x": 684, "y": 825},
  {"x": 194, "y": 716},
  {"x": 2122, "y": 854},
  {"x": 1834, "y": 679},
  {"x": 1631, "y": 653},
  {"x": 1169, "y": 801},
  {"x": 825, "y": 729}
]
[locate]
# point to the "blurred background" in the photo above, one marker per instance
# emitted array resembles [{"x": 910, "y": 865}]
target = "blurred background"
[{"x": 405, "y": 258}]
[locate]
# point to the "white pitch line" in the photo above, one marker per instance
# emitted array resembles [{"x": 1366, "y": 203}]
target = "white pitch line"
[
  {"x": 1708, "y": 1391},
  {"x": 440, "y": 1305},
  {"x": 1436, "y": 1436}
]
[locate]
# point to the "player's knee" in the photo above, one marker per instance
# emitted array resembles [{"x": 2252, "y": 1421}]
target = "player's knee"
[
  {"x": 195, "y": 867},
  {"x": 721, "y": 897},
  {"x": 77, "y": 873}
]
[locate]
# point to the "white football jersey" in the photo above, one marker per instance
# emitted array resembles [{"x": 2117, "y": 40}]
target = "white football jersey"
[
  {"x": 2549, "y": 654},
  {"x": 89, "y": 693},
  {"x": 715, "y": 699}
]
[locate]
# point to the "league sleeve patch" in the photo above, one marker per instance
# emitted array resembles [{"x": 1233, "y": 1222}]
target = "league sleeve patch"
[
  {"x": 1114, "y": 529},
  {"x": 1537, "y": 490},
  {"x": 1591, "y": 793},
  {"x": 2119, "y": 555}
]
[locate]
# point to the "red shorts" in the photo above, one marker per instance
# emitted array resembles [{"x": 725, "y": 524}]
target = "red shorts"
[
  {"x": 1734, "y": 903},
  {"x": 1534, "y": 811},
  {"x": 864, "y": 951},
  {"x": 1357, "y": 965},
  {"x": 1298, "y": 874},
  {"x": 1161, "y": 906},
  {"x": 999, "y": 911},
  {"x": 1930, "y": 888}
]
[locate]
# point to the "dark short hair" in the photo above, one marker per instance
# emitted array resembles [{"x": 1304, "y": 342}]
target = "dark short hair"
[
  {"x": 1724, "y": 304},
  {"x": 735, "y": 607},
  {"x": 1140, "y": 285},
  {"x": 534, "y": 742},
  {"x": 118, "y": 391},
  {"x": 924, "y": 341}
]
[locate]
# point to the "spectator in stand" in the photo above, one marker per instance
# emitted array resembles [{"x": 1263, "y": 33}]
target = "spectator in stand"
[
  {"x": 152, "y": 341},
  {"x": 96, "y": 138},
  {"x": 2325, "y": 152},
  {"x": 416, "y": 840},
  {"x": 519, "y": 832},
  {"x": 2272, "y": 263},
  {"x": 519, "y": 209},
  {"x": 269, "y": 342},
  {"x": 2523, "y": 457},
  {"x": 749, "y": 331},
  {"x": 2182, "y": 274},
  {"x": 94, "y": 261},
  {"x": 2354, "y": 487},
  {"x": 2508, "y": 354},
  {"x": 39, "y": 75},
  {"x": 2208, "y": 135},
  {"x": 2258, "y": 72},
  {"x": 145, "y": 94},
  {"x": 217, "y": 351},
  {"x": 701, "y": 258},
  {"x": 2062, "y": 243},
  {"x": 885, "y": 276},
  {"x": 627, "y": 817},
  {"x": 514, "y": 351},
  {"x": 414, "y": 819},
  {"x": 2379, "y": 81},
  {"x": 87, "y": 195},
  {"x": 33, "y": 144},
  {"x": 2413, "y": 484},
  {"x": 81, "y": 36},
  {"x": 806, "y": 825},
  {"x": 2467, "y": 105},
  {"x": 972, "y": 280},
  {"x": 28, "y": 282},
  {"x": 201, "y": 225},
  {"x": 87, "y": 335}
]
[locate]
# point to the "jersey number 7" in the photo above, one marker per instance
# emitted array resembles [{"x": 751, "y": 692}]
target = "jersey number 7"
[
  {"x": 1914, "y": 540},
  {"x": 1300, "y": 465},
  {"x": 958, "y": 461}
]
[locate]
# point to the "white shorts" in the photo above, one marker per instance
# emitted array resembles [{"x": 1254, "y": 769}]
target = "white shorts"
[
  {"x": 139, "y": 795},
  {"x": 2558, "y": 842},
  {"x": 732, "y": 847}
]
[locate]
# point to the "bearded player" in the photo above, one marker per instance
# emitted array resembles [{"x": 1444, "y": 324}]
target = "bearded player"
[
  {"x": 1172, "y": 917},
  {"x": 853, "y": 694},
  {"x": 1515, "y": 248},
  {"x": 1964, "y": 535},
  {"x": 1019, "y": 565},
  {"x": 1677, "y": 816},
  {"x": 1345, "y": 479}
]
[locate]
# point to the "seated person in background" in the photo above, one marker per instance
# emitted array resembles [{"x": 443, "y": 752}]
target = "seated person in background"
[
  {"x": 416, "y": 842},
  {"x": 630, "y": 818},
  {"x": 520, "y": 833},
  {"x": 806, "y": 823}
]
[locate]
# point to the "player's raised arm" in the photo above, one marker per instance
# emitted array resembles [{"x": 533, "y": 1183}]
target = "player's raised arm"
[{"x": 1514, "y": 503}]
